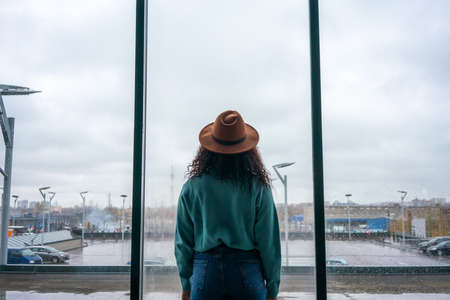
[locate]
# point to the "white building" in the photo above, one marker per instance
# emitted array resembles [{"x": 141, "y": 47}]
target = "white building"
[
  {"x": 23, "y": 204},
  {"x": 33, "y": 204},
  {"x": 418, "y": 227}
]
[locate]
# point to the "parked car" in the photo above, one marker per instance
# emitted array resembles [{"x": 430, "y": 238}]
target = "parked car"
[
  {"x": 23, "y": 256},
  {"x": 433, "y": 242},
  {"x": 336, "y": 262},
  {"x": 154, "y": 261},
  {"x": 50, "y": 254},
  {"x": 440, "y": 249}
]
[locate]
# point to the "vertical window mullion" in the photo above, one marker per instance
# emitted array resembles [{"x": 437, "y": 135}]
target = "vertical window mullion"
[
  {"x": 139, "y": 151},
  {"x": 317, "y": 151}
]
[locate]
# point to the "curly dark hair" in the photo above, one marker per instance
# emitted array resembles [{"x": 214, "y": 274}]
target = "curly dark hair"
[{"x": 241, "y": 168}]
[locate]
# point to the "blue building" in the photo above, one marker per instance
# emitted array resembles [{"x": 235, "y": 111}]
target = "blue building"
[{"x": 358, "y": 225}]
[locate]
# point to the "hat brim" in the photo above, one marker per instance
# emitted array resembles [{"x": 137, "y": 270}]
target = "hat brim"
[{"x": 208, "y": 142}]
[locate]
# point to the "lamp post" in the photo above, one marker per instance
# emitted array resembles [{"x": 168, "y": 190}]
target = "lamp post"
[
  {"x": 83, "y": 196},
  {"x": 41, "y": 190},
  {"x": 348, "y": 216},
  {"x": 52, "y": 195},
  {"x": 122, "y": 220},
  {"x": 388, "y": 216},
  {"x": 402, "y": 197},
  {"x": 7, "y": 128},
  {"x": 15, "y": 209},
  {"x": 286, "y": 225}
]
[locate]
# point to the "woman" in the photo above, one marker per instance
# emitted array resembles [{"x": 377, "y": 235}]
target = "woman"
[{"x": 227, "y": 239}]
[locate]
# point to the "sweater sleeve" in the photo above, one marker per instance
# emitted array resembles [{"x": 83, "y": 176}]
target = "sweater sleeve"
[
  {"x": 267, "y": 234},
  {"x": 184, "y": 240}
]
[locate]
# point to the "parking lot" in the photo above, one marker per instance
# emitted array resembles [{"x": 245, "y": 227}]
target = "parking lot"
[{"x": 301, "y": 253}]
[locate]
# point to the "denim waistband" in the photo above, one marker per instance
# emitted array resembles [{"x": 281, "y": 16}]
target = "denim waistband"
[{"x": 225, "y": 250}]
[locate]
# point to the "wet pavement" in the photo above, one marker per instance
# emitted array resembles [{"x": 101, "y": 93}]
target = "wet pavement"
[
  {"x": 102, "y": 253},
  {"x": 301, "y": 253}
]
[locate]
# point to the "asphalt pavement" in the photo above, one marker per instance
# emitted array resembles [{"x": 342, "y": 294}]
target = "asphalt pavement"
[{"x": 301, "y": 253}]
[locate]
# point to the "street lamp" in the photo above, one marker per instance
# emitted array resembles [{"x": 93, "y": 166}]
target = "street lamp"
[
  {"x": 83, "y": 196},
  {"x": 402, "y": 197},
  {"x": 14, "y": 90},
  {"x": 15, "y": 209},
  {"x": 52, "y": 195},
  {"x": 348, "y": 216},
  {"x": 41, "y": 189},
  {"x": 7, "y": 128},
  {"x": 122, "y": 221},
  {"x": 286, "y": 225},
  {"x": 388, "y": 225}
]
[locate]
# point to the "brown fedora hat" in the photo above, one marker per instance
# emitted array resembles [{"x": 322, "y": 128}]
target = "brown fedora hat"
[{"x": 228, "y": 134}]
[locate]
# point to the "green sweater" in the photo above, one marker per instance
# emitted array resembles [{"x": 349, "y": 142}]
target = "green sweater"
[{"x": 213, "y": 211}]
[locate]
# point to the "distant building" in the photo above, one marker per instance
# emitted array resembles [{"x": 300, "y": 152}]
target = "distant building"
[
  {"x": 22, "y": 204},
  {"x": 33, "y": 204},
  {"x": 420, "y": 221},
  {"x": 349, "y": 203},
  {"x": 358, "y": 225},
  {"x": 424, "y": 202},
  {"x": 418, "y": 227},
  {"x": 438, "y": 201}
]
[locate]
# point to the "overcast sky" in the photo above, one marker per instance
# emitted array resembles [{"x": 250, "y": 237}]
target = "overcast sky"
[{"x": 385, "y": 87}]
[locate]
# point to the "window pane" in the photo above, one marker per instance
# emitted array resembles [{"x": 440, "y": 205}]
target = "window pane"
[
  {"x": 73, "y": 137},
  {"x": 385, "y": 95},
  {"x": 207, "y": 57}
]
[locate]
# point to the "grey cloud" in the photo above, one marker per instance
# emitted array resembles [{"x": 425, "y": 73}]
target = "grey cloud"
[{"x": 384, "y": 71}]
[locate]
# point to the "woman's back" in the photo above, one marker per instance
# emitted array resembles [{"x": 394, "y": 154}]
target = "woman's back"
[
  {"x": 227, "y": 238},
  {"x": 222, "y": 212}
]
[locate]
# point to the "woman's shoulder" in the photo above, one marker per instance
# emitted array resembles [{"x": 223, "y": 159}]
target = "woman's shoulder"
[
  {"x": 206, "y": 179},
  {"x": 195, "y": 181},
  {"x": 259, "y": 186}
]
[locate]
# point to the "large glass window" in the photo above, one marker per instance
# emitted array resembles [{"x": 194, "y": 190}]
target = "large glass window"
[
  {"x": 73, "y": 140},
  {"x": 67, "y": 88},
  {"x": 207, "y": 57},
  {"x": 385, "y": 106}
]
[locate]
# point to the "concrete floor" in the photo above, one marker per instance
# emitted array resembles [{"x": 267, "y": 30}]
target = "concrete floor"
[
  {"x": 177, "y": 296},
  {"x": 338, "y": 284}
]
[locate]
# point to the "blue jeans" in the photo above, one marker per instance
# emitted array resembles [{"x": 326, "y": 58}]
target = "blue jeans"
[{"x": 227, "y": 273}]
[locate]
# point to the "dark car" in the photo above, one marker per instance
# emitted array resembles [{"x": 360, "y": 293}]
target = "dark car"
[
  {"x": 433, "y": 242},
  {"x": 50, "y": 254},
  {"x": 153, "y": 261},
  {"x": 23, "y": 256},
  {"x": 440, "y": 249},
  {"x": 336, "y": 262}
]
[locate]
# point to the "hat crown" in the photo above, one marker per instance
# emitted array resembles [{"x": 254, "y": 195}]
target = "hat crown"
[
  {"x": 228, "y": 134},
  {"x": 229, "y": 126},
  {"x": 230, "y": 119}
]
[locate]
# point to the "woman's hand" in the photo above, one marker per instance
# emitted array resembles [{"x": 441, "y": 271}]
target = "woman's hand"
[{"x": 186, "y": 295}]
